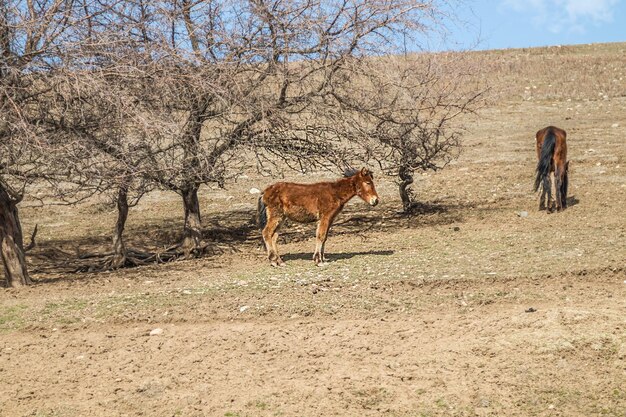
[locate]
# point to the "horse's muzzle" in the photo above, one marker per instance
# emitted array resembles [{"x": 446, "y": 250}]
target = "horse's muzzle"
[{"x": 374, "y": 201}]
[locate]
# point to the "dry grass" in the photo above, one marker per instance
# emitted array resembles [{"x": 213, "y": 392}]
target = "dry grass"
[
  {"x": 419, "y": 316},
  {"x": 593, "y": 72}
]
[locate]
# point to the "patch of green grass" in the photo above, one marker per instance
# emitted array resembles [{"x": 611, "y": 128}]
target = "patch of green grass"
[
  {"x": 11, "y": 317},
  {"x": 66, "y": 305},
  {"x": 371, "y": 397},
  {"x": 441, "y": 403},
  {"x": 260, "y": 405},
  {"x": 65, "y": 312}
]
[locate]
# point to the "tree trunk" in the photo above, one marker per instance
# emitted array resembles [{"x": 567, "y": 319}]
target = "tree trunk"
[
  {"x": 119, "y": 249},
  {"x": 192, "y": 233},
  {"x": 11, "y": 242},
  {"x": 406, "y": 178}
]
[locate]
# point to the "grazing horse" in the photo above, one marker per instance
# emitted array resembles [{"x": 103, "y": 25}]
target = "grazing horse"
[
  {"x": 306, "y": 203},
  {"x": 552, "y": 157}
]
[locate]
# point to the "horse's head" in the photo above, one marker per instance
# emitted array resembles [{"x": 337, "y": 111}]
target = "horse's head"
[{"x": 364, "y": 181}]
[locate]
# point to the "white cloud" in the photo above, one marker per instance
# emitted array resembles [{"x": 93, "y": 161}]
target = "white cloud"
[{"x": 564, "y": 15}]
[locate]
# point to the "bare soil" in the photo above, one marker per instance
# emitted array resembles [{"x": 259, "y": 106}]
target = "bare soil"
[{"x": 478, "y": 305}]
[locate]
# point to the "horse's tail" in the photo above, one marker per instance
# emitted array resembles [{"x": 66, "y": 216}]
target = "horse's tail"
[
  {"x": 547, "y": 150},
  {"x": 261, "y": 214}
]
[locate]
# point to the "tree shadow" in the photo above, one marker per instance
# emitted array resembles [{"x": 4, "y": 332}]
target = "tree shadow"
[
  {"x": 357, "y": 221},
  {"x": 308, "y": 256},
  {"x": 418, "y": 208},
  {"x": 236, "y": 231},
  {"x": 223, "y": 233}
]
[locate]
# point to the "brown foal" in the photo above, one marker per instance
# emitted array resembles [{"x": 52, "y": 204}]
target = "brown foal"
[{"x": 306, "y": 203}]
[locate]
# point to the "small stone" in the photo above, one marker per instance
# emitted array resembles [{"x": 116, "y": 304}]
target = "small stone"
[
  {"x": 156, "y": 332},
  {"x": 523, "y": 214},
  {"x": 255, "y": 191},
  {"x": 456, "y": 228},
  {"x": 615, "y": 125},
  {"x": 530, "y": 310},
  {"x": 243, "y": 308}
]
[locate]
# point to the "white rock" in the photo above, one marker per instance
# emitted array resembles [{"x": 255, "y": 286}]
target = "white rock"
[
  {"x": 255, "y": 191},
  {"x": 615, "y": 125},
  {"x": 156, "y": 332},
  {"x": 243, "y": 308}
]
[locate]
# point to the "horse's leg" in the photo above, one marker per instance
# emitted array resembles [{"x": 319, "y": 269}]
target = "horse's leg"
[
  {"x": 320, "y": 239},
  {"x": 279, "y": 260},
  {"x": 558, "y": 185},
  {"x": 330, "y": 223},
  {"x": 270, "y": 236},
  {"x": 564, "y": 186},
  {"x": 547, "y": 189}
]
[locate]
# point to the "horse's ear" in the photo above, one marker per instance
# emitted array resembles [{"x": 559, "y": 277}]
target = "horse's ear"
[{"x": 363, "y": 171}]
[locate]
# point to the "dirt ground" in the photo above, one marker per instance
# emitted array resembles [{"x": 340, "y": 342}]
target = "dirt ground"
[{"x": 479, "y": 305}]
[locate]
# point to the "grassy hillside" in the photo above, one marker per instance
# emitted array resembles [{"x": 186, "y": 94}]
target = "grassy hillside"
[{"x": 478, "y": 305}]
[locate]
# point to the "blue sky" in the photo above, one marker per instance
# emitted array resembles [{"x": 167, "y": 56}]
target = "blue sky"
[{"x": 524, "y": 23}]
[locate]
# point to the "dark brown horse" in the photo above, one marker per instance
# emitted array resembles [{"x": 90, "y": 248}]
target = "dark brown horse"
[
  {"x": 306, "y": 203},
  {"x": 552, "y": 157}
]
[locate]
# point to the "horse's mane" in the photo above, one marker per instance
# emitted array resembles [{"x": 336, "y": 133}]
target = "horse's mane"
[{"x": 349, "y": 172}]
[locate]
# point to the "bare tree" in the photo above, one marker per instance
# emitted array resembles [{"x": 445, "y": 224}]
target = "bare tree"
[
  {"x": 121, "y": 96},
  {"x": 225, "y": 76},
  {"x": 29, "y": 33},
  {"x": 96, "y": 151},
  {"x": 407, "y": 112}
]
